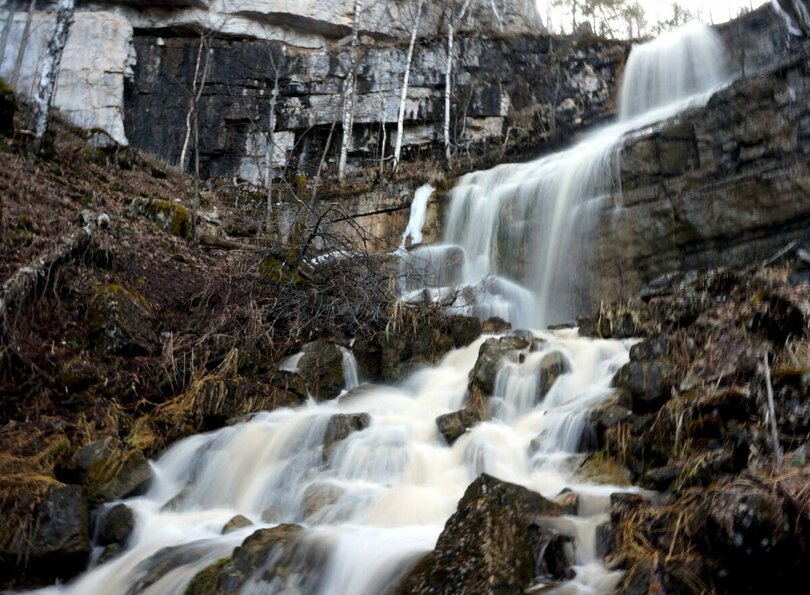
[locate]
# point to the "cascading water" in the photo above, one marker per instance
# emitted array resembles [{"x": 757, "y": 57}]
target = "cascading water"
[
  {"x": 373, "y": 503},
  {"x": 524, "y": 226},
  {"x": 418, "y": 215}
]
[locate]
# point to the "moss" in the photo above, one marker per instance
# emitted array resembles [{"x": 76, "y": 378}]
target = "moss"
[
  {"x": 173, "y": 217},
  {"x": 602, "y": 468},
  {"x": 205, "y": 583}
]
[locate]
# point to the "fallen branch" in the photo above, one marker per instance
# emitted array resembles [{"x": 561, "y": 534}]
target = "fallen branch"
[
  {"x": 777, "y": 448},
  {"x": 226, "y": 244}
]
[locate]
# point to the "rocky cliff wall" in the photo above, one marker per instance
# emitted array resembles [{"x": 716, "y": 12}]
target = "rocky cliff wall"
[{"x": 726, "y": 185}]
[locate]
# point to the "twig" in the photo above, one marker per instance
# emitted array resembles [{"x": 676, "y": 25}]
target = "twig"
[{"x": 777, "y": 448}]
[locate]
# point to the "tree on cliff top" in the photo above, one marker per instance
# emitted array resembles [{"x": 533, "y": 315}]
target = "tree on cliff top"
[{"x": 50, "y": 70}]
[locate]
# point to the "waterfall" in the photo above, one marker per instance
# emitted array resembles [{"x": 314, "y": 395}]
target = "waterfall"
[
  {"x": 418, "y": 214},
  {"x": 372, "y": 503},
  {"x": 526, "y": 224}
]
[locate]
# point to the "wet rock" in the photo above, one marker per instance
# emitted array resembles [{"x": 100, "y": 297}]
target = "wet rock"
[
  {"x": 558, "y": 558},
  {"x": 495, "y": 326},
  {"x": 569, "y": 501},
  {"x": 271, "y": 515},
  {"x": 318, "y": 496},
  {"x": 248, "y": 560},
  {"x": 236, "y": 523},
  {"x": 57, "y": 546},
  {"x": 606, "y": 416},
  {"x": 115, "y": 526},
  {"x": 661, "y": 478},
  {"x": 616, "y": 321},
  {"x": 491, "y": 544},
  {"x": 523, "y": 334},
  {"x": 648, "y": 384},
  {"x": 321, "y": 369},
  {"x": 8, "y": 106},
  {"x": 110, "y": 471},
  {"x": 339, "y": 428},
  {"x": 453, "y": 425},
  {"x": 604, "y": 540},
  {"x": 552, "y": 366},
  {"x": 491, "y": 356},
  {"x": 464, "y": 330},
  {"x": 121, "y": 322},
  {"x": 778, "y": 316},
  {"x": 108, "y": 553},
  {"x": 653, "y": 349}
]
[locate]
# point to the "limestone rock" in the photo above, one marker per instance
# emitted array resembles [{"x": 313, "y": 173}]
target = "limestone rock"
[
  {"x": 236, "y": 523},
  {"x": 495, "y": 326},
  {"x": 491, "y": 544},
  {"x": 318, "y": 496},
  {"x": 552, "y": 366},
  {"x": 339, "y": 428},
  {"x": 116, "y": 525},
  {"x": 453, "y": 425},
  {"x": 491, "y": 356},
  {"x": 647, "y": 382},
  {"x": 321, "y": 370}
]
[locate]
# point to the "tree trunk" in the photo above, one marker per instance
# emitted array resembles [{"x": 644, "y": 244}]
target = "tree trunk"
[
  {"x": 348, "y": 94},
  {"x": 6, "y": 31},
  {"x": 50, "y": 70},
  {"x": 448, "y": 79},
  {"x": 198, "y": 90},
  {"x": 189, "y": 115},
  {"x": 15, "y": 74},
  {"x": 271, "y": 144},
  {"x": 405, "y": 80}
]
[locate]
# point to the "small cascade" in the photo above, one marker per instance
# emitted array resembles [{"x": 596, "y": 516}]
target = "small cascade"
[
  {"x": 416, "y": 222},
  {"x": 388, "y": 488},
  {"x": 350, "y": 373},
  {"x": 525, "y": 225}
]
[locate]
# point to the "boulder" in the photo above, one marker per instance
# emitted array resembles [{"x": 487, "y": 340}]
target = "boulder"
[
  {"x": 552, "y": 366},
  {"x": 339, "y": 428},
  {"x": 653, "y": 349},
  {"x": 110, "y": 471},
  {"x": 8, "y": 106},
  {"x": 648, "y": 384},
  {"x": 495, "y": 326},
  {"x": 57, "y": 546},
  {"x": 121, "y": 323},
  {"x": 249, "y": 559},
  {"x": 318, "y": 496},
  {"x": 605, "y": 416},
  {"x": 321, "y": 370},
  {"x": 115, "y": 526},
  {"x": 453, "y": 425},
  {"x": 492, "y": 543},
  {"x": 491, "y": 356},
  {"x": 463, "y": 330},
  {"x": 236, "y": 523}
]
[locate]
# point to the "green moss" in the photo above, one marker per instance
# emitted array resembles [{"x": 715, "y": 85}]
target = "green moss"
[
  {"x": 6, "y": 91},
  {"x": 278, "y": 271},
  {"x": 173, "y": 217},
  {"x": 205, "y": 583}
]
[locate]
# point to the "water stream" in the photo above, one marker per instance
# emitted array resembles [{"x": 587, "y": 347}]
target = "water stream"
[{"x": 372, "y": 504}]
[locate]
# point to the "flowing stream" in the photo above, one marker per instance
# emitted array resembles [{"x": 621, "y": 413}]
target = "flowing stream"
[{"x": 375, "y": 502}]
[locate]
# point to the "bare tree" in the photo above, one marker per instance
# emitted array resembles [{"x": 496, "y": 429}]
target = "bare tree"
[
  {"x": 448, "y": 79},
  {"x": 197, "y": 91},
  {"x": 271, "y": 139},
  {"x": 15, "y": 74},
  {"x": 6, "y": 31},
  {"x": 50, "y": 70},
  {"x": 405, "y": 80},
  {"x": 348, "y": 92}
]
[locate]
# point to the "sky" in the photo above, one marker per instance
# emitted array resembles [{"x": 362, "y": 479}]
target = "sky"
[{"x": 716, "y": 10}]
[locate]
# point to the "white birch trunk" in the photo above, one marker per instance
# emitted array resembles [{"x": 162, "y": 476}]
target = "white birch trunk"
[
  {"x": 271, "y": 144},
  {"x": 50, "y": 70},
  {"x": 348, "y": 94},
  {"x": 405, "y": 80},
  {"x": 15, "y": 74},
  {"x": 191, "y": 103},
  {"x": 448, "y": 78}
]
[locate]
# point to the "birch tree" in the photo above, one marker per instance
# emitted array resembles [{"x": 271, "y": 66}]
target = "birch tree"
[
  {"x": 348, "y": 92},
  {"x": 50, "y": 70},
  {"x": 448, "y": 77},
  {"x": 271, "y": 140},
  {"x": 405, "y": 81},
  {"x": 15, "y": 74}
]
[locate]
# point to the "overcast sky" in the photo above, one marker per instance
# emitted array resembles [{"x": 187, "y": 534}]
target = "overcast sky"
[{"x": 719, "y": 10}]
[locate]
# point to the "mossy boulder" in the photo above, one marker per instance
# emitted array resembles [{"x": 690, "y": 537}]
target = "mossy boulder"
[
  {"x": 171, "y": 216},
  {"x": 122, "y": 322},
  {"x": 492, "y": 544},
  {"x": 110, "y": 471},
  {"x": 8, "y": 105},
  {"x": 321, "y": 370}
]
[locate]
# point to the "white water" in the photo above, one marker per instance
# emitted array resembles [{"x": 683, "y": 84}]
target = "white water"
[
  {"x": 527, "y": 223},
  {"x": 386, "y": 491},
  {"x": 416, "y": 221},
  {"x": 396, "y": 482}
]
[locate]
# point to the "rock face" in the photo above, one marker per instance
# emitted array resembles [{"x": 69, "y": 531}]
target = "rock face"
[
  {"x": 725, "y": 185},
  {"x": 492, "y": 544}
]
